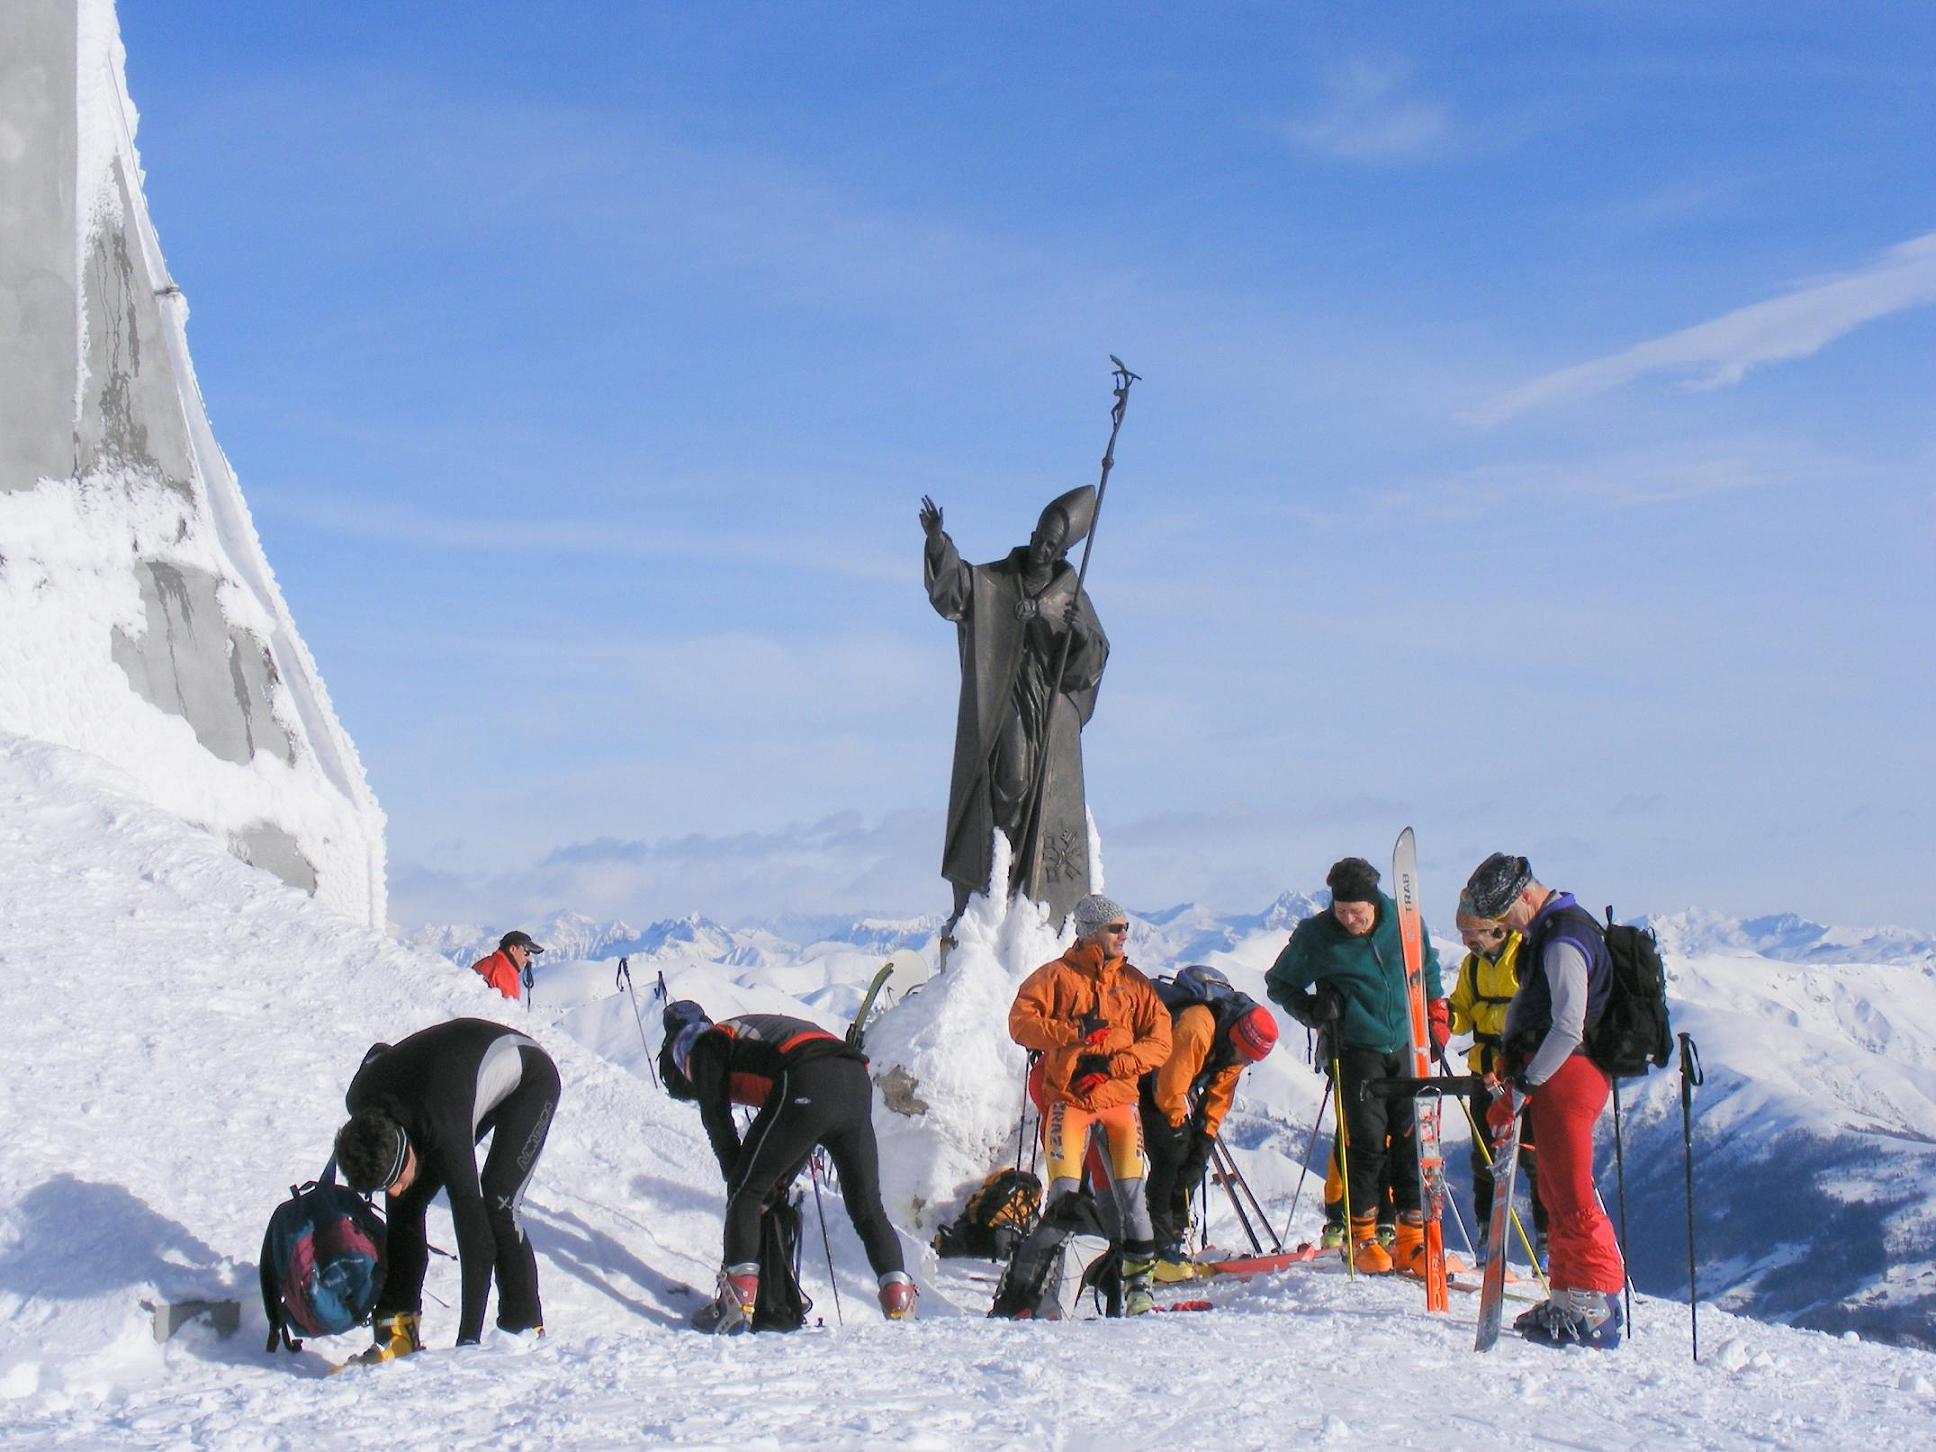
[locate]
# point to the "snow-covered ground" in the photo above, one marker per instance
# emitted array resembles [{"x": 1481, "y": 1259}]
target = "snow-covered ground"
[{"x": 182, "y": 1027}]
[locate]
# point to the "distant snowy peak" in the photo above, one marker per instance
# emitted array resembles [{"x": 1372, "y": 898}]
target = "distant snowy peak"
[{"x": 1788, "y": 939}]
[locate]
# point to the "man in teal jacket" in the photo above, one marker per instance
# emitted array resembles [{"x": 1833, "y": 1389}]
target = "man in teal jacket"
[{"x": 1343, "y": 973}]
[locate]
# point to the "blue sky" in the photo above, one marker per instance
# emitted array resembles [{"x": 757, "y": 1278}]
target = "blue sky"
[{"x": 1536, "y": 443}]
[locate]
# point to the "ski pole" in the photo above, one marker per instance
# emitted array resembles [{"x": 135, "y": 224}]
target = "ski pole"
[
  {"x": 1029, "y": 845},
  {"x": 1225, "y": 1178},
  {"x": 623, "y": 979},
  {"x": 1232, "y": 1169},
  {"x": 1021, "y": 1126},
  {"x": 820, "y": 1209},
  {"x": 1309, "y": 1147},
  {"x": 1344, "y": 1170},
  {"x": 1691, "y": 1078},
  {"x": 1620, "y": 1184}
]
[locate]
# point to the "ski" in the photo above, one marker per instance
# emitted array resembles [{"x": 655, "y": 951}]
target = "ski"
[
  {"x": 1426, "y": 1106},
  {"x": 1492, "y": 1289},
  {"x": 906, "y": 966},
  {"x": 1255, "y": 1265}
]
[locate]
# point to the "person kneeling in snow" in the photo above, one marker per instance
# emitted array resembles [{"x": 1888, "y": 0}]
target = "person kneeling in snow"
[
  {"x": 1565, "y": 978},
  {"x": 418, "y": 1109},
  {"x": 1099, "y": 1027},
  {"x": 809, "y": 1088}
]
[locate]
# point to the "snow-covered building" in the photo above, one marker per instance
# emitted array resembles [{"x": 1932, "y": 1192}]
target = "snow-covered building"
[{"x": 139, "y": 618}]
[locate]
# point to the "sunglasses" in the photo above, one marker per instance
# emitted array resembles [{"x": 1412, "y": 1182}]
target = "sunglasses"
[{"x": 1115, "y": 927}]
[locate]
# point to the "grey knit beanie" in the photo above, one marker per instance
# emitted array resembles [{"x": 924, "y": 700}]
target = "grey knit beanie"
[{"x": 1095, "y": 910}]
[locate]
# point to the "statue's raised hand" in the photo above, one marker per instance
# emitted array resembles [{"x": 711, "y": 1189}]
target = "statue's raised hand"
[{"x": 930, "y": 517}]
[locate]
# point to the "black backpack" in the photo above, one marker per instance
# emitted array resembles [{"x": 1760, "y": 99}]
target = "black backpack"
[
  {"x": 1068, "y": 1253},
  {"x": 1632, "y": 1035},
  {"x": 1199, "y": 984},
  {"x": 997, "y": 1215},
  {"x": 781, "y": 1305}
]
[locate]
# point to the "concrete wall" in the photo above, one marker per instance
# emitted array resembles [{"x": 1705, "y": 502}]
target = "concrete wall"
[
  {"x": 39, "y": 336},
  {"x": 139, "y": 619}
]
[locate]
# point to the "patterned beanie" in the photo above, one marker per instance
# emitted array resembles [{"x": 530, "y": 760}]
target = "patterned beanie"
[{"x": 1496, "y": 883}]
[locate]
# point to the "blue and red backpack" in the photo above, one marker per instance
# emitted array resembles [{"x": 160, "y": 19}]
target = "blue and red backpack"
[{"x": 322, "y": 1261}]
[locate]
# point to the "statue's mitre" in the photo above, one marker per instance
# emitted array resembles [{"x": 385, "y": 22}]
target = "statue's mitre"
[{"x": 1078, "y": 506}]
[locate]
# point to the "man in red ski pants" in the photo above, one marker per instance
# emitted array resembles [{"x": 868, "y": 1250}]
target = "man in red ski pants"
[{"x": 1565, "y": 979}]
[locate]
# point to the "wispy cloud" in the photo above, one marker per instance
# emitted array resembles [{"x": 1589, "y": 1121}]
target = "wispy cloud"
[
  {"x": 1720, "y": 352},
  {"x": 363, "y": 518},
  {"x": 845, "y": 862},
  {"x": 1366, "y": 111}
]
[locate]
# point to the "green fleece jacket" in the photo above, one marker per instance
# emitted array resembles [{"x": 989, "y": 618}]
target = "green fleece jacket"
[{"x": 1367, "y": 973}]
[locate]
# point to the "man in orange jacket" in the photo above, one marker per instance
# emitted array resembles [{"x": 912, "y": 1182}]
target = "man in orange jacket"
[
  {"x": 1099, "y": 1027},
  {"x": 504, "y": 970}
]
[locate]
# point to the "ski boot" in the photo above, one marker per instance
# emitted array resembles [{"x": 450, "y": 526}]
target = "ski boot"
[
  {"x": 1408, "y": 1245},
  {"x": 1573, "y": 1318},
  {"x": 730, "y": 1312},
  {"x": 897, "y": 1296},
  {"x": 1333, "y": 1237},
  {"x": 1387, "y": 1234},
  {"x": 1173, "y": 1263},
  {"x": 1136, "y": 1267},
  {"x": 396, "y": 1335},
  {"x": 1367, "y": 1255}
]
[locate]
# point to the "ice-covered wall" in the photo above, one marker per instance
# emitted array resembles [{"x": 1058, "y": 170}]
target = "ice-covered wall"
[{"x": 139, "y": 619}]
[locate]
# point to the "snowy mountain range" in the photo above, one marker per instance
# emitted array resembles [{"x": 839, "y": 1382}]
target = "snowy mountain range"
[{"x": 1167, "y": 937}]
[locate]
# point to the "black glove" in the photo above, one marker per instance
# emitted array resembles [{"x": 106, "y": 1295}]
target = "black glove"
[
  {"x": 1196, "y": 1154},
  {"x": 1318, "y": 1007},
  {"x": 1090, "y": 1064}
]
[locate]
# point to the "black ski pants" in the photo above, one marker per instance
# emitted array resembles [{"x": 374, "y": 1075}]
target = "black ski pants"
[
  {"x": 1368, "y": 1121},
  {"x": 1176, "y": 1162},
  {"x": 518, "y": 1125},
  {"x": 829, "y": 1102}
]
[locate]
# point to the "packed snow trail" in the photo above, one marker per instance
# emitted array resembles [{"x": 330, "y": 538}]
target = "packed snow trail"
[{"x": 181, "y": 1029}]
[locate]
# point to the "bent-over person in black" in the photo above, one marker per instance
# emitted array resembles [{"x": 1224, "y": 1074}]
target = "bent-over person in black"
[
  {"x": 419, "y": 1108},
  {"x": 809, "y": 1089}
]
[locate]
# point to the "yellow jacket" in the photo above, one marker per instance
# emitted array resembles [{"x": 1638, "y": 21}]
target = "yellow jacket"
[
  {"x": 1193, "y": 1033},
  {"x": 1479, "y": 999},
  {"x": 1048, "y": 1015}
]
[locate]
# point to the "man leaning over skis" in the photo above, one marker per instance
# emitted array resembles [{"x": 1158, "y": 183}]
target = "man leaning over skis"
[{"x": 1566, "y": 977}]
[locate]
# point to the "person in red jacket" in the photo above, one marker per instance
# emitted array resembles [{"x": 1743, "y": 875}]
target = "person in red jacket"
[{"x": 507, "y": 970}]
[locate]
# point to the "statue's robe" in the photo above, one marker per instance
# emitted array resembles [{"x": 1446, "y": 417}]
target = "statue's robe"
[{"x": 1007, "y": 663}]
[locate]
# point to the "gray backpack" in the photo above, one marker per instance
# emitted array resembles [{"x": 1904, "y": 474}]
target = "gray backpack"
[{"x": 1051, "y": 1266}]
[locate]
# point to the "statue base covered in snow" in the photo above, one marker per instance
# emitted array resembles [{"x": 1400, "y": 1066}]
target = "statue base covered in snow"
[{"x": 948, "y": 1076}]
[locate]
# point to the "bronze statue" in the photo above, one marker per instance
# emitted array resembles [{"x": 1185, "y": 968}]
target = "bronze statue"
[{"x": 1018, "y": 738}]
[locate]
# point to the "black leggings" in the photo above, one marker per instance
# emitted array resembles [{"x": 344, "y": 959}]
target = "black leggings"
[
  {"x": 519, "y": 1123},
  {"x": 827, "y": 1102},
  {"x": 1177, "y": 1158}
]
